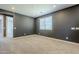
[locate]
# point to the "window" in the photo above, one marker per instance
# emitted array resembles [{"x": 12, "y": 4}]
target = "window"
[
  {"x": 9, "y": 27},
  {"x": 42, "y": 24},
  {"x": 46, "y": 23}
]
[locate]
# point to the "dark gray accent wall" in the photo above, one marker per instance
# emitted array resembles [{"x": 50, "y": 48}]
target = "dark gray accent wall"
[
  {"x": 23, "y": 25},
  {"x": 63, "y": 20}
]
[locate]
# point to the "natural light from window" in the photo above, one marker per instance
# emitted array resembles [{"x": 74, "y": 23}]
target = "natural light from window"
[{"x": 46, "y": 23}]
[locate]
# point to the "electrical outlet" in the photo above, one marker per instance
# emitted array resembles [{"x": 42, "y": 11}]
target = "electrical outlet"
[
  {"x": 24, "y": 33},
  {"x": 67, "y": 37}
]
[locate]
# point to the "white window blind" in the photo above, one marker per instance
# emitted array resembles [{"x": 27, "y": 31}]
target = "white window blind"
[{"x": 46, "y": 23}]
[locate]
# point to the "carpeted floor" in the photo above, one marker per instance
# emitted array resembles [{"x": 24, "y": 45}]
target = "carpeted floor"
[{"x": 36, "y": 44}]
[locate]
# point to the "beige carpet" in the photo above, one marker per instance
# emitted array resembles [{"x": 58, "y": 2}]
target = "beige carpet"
[{"x": 35, "y": 44}]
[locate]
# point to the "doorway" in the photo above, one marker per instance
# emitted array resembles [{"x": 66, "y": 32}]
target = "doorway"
[{"x": 6, "y": 26}]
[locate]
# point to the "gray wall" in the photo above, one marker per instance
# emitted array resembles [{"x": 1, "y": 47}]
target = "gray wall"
[
  {"x": 24, "y": 25},
  {"x": 63, "y": 20}
]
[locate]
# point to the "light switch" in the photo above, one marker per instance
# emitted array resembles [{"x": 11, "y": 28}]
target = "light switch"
[
  {"x": 14, "y": 27},
  {"x": 77, "y": 28},
  {"x": 73, "y": 28}
]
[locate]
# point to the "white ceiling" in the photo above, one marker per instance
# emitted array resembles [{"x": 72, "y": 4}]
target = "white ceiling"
[{"x": 34, "y": 10}]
